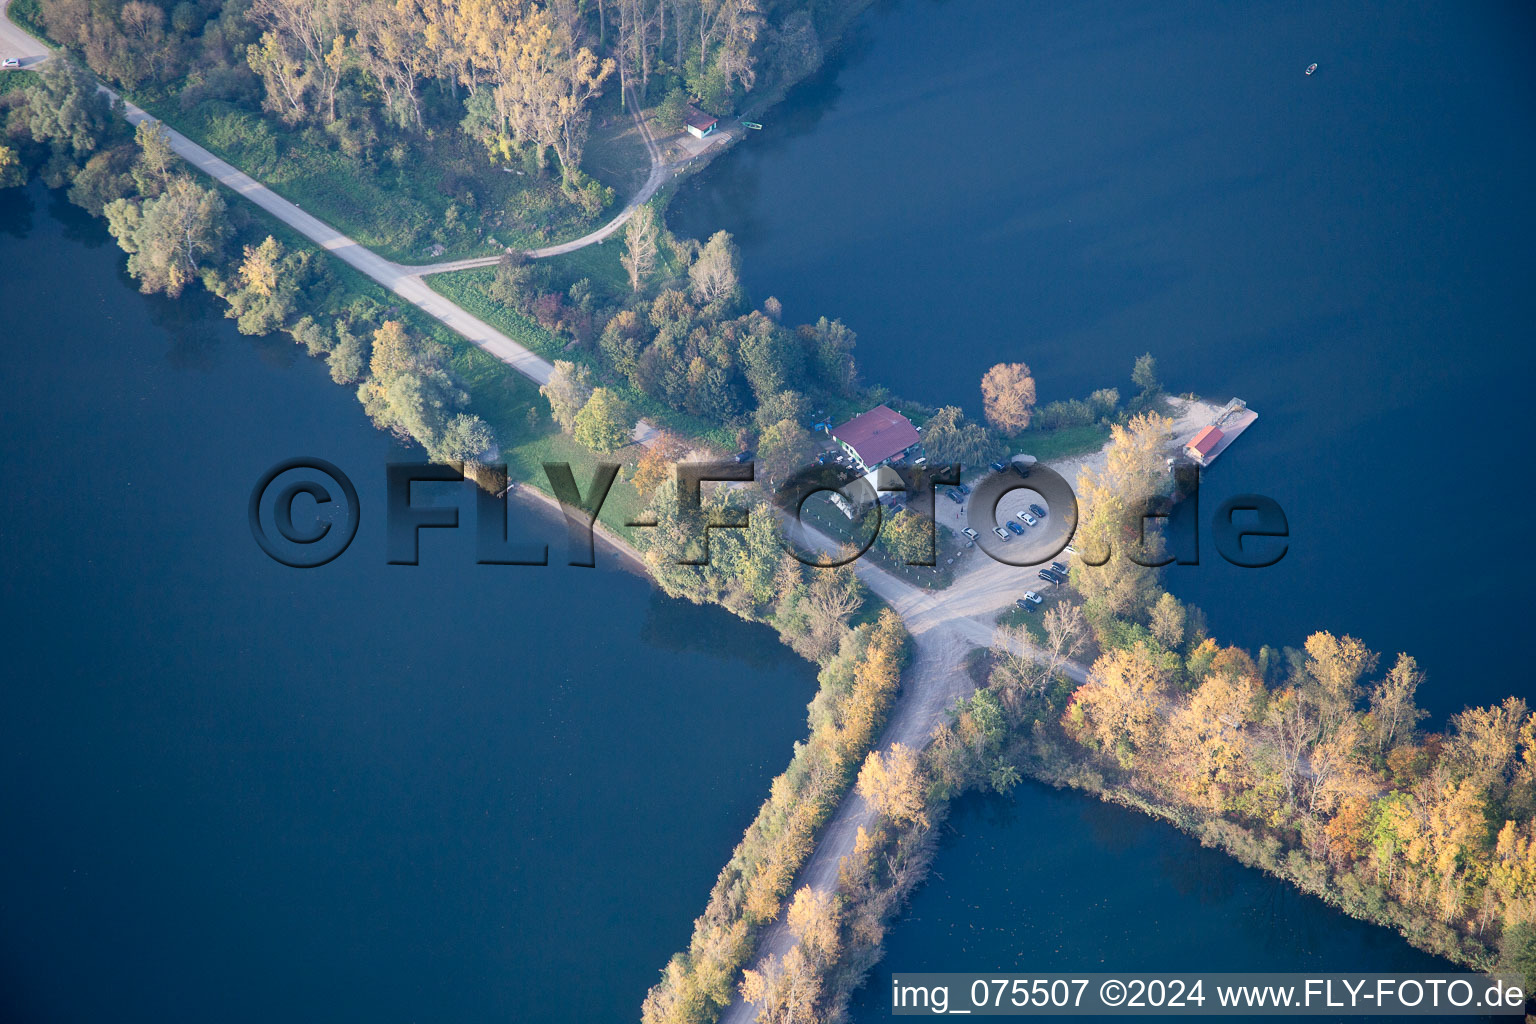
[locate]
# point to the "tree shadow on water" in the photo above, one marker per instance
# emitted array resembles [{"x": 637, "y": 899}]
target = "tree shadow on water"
[{"x": 16, "y": 211}]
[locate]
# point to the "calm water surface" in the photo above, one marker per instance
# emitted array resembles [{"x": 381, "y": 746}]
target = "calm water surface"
[
  {"x": 1078, "y": 183},
  {"x": 1073, "y": 184},
  {"x": 235, "y": 791},
  {"x": 1054, "y": 882}
]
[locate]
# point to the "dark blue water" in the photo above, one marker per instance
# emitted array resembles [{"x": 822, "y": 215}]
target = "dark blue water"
[
  {"x": 240, "y": 792},
  {"x": 1053, "y": 882},
  {"x": 1073, "y": 184}
]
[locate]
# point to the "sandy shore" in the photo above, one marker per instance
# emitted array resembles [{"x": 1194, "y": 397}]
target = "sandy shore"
[{"x": 1189, "y": 416}]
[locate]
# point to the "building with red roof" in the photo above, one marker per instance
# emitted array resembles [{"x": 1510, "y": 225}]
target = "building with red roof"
[
  {"x": 700, "y": 124},
  {"x": 877, "y": 437},
  {"x": 1203, "y": 444}
]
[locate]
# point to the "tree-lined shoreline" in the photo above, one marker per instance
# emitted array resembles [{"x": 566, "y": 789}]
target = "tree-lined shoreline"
[{"x": 1269, "y": 755}]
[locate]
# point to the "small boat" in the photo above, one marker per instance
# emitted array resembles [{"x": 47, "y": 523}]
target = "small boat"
[
  {"x": 1311, "y": 68},
  {"x": 753, "y": 125}
]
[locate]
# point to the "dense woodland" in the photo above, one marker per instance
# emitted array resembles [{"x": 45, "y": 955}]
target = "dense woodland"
[{"x": 409, "y": 110}]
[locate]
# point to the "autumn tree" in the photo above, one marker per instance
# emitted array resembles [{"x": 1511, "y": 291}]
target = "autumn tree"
[
  {"x": 1209, "y": 741},
  {"x": 1167, "y": 621},
  {"x": 1113, "y": 498},
  {"x": 785, "y": 991},
  {"x": 1008, "y": 396},
  {"x": 1335, "y": 665},
  {"x": 156, "y": 163},
  {"x": 815, "y": 918},
  {"x": 658, "y": 463},
  {"x": 301, "y": 56},
  {"x": 716, "y": 274},
  {"x": 1393, "y": 714},
  {"x": 1118, "y": 708},
  {"x": 409, "y": 390},
  {"x": 893, "y": 784},
  {"x": 833, "y": 597},
  {"x": 642, "y": 246}
]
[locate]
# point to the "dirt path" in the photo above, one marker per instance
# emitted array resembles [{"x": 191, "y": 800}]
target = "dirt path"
[{"x": 660, "y": 171}]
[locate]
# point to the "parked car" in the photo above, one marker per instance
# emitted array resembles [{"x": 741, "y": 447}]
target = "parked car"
[
  {"x": 1025, "y": 605},
  {"x": 955, "y": 497},
  {"x": 998, "y": 467},
  {"x": 1015, "y": 527},
  {"x": 1021, "y": 469},
  {"x": 1037, "y": 510},
  {"x": 1031, "y": 520},
  {"x": 969, "y": 533},
  {"x": 962, "y": 488},
  {"x": 1060, "y": 568},
  {"x": 10, "y": 62},
  {"x": 1047, "y": 575},
  {"x": 1001, "y": 532},
  {"x": 1032, "y": 597}
]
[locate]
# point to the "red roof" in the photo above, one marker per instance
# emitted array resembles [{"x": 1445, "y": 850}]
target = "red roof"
[
  {"x": 700, "y": 120},
  {"x": 1206, "y": 440},
  {"x": 877, "y": 435}
]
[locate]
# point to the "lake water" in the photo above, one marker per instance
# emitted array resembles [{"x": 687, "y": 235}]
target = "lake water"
[
  {"x": 1073, "y": 184},
  {"x": 1053, "y": 882},
  {"x": 237, "y": 791}
]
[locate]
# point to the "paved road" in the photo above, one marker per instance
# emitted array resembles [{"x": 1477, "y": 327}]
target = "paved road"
[
  {"x": 944, "y": 626},
  {"x": 404, "y": 281},
  {"x": 16, "y": 43}
]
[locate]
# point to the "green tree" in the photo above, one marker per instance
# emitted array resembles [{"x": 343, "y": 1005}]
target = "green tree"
[
  {"x": 467, "y": 438},
  {"x": 672, "y": 109},
  {"x": 170, "y": 238},
  {"x": 1144, "y": 375},
  {"x": 949, "y": 437},
  {"x": 568, "y": 389},
  {"x": 12, "y": 172},
  {"x": 784, "y": 448},
  {"x": 605, "y": 423},
  {"x": 349, "y": 359},
  {"x": 64, "y": 110},
  {"x": 156, "y": 162},
  {"x": 831, "y": 352}
]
